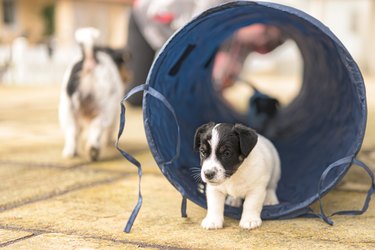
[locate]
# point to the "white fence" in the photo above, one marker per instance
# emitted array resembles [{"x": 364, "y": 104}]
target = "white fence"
[{"x": 24, "y": 64}]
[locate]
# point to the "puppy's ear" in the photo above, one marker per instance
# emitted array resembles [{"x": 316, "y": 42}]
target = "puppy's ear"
[
  {"x": 247, "y": 136},
  {"x": 199, "y": 132}
]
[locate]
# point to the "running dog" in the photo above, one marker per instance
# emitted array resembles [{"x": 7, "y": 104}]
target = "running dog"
[{"x": 91, "y": 92}]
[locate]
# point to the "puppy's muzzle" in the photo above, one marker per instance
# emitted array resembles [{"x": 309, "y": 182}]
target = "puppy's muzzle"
[{"x": 209, "y": 174}]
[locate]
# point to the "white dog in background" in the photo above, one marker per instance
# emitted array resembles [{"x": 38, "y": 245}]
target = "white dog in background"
[{"x": 91, "y": 92}]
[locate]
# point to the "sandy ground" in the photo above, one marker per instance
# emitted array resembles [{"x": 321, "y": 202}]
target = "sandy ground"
[{"x": 51, "y": 203}]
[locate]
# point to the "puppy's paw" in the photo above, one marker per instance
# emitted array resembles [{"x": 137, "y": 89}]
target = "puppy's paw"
[
  {"x": 271, "y": 198},
  {"x": 270, "y": 202},
  {"x": 94, "y": 153},
  {"x": 232, "y": 201},
  {"x": 212, "y": 223},
  {"x": 69, "y": 153},
  {"x": 250, "y": 223}
]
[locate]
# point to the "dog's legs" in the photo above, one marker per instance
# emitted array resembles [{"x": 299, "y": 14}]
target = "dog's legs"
[
  {"x": 215, "y": 209},
  {"x": 71, "y": 140},
  {"x": 70, "y": 128},
  {"x": 271, "y": 197},
  {"x": 252, "y": 208},
  {"x": 109, "y": 134},
  {"x": 95, "y": 131}
]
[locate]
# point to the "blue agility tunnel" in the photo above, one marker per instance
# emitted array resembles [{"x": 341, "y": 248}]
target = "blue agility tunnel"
[{"x": 318, "y": 134}]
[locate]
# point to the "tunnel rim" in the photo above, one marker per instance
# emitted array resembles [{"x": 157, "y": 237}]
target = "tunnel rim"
[{"x": 355, "y": 75}]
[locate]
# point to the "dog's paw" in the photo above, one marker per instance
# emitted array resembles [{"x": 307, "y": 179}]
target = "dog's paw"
[
  {"x": 212, "y": 223},
  {"x": 94, "y": 153},
  {"x": 68, "y": 153},
  {"x": 250, "y": 223},
  {"x": 232, "y": 201},
  {"x": 271, "y": 198},
  {"x": 270, "y": 202}
]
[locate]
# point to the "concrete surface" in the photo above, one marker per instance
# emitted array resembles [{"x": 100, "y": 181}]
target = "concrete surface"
[{"x": 51, "y": 203}]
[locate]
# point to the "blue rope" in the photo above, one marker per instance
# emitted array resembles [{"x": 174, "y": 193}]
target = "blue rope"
[
  {"x": 130, "y": 158},
  {"x": 148, "y": 90},
  {"x": 341, "y": 162}
]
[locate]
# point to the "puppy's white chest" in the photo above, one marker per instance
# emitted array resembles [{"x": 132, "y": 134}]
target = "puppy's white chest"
[
  {"x": 246, "y": 179},
  {"x": 237, "y": 188}
]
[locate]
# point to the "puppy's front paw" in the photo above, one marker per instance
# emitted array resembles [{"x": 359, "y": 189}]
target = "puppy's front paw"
[
  {"x": 69, "y": 153},
  {"x": 250, "y": 223},
  {"x": 212, "y": 223}
]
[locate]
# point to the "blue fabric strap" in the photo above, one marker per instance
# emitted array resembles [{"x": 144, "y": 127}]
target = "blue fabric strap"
[
  {"x": 130, "y": 158},
  {"x": 160, "y": 97},
  {"x": 369, "y": 192},
  {"x": 148, "y": 90},
  {"x": 341, "y": 162},
  {"x": 183, "y": 207}
]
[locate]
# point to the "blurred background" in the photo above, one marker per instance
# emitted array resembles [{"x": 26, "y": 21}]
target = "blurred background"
[
  {"x": 37, "y": 36},
  {"x": 37, "y": 44}
]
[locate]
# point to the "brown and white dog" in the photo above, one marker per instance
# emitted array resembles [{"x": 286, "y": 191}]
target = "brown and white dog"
[
  {"x": 238, "y": 163},
  {"x": 89, "y": 101}
]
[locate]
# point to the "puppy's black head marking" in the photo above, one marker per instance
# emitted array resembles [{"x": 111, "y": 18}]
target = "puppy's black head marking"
[
  {"x": 228, "y": 151},
  {"x": 203, "y": 134},
  {"x": 248, "y": 138},
  {"x": 202, "y": 140},
  {"x": 233, "y": 143}
]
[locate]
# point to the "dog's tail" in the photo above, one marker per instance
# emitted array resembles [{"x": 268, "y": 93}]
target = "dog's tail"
[{"x": 86, "y": 38}]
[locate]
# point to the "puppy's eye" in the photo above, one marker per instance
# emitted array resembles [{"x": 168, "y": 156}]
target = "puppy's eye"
[
  {"x": 227, "y": 154},
  {"x": 203, "y": 152}
]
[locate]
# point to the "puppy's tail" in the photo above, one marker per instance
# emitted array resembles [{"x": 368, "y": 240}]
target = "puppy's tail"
[{"x": 86, "y": 37}]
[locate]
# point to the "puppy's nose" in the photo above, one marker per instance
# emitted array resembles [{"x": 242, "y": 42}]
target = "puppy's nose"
[{"x": 209, "y": 174}]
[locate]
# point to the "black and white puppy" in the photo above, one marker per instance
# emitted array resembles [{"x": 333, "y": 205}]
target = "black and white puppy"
[
  {"x": 238, "y": 162},
  {"x": 91, "y": 92}
]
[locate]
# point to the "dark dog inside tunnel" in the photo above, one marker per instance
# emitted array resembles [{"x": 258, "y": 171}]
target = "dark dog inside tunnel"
[{"x": 325, "y": 122}]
